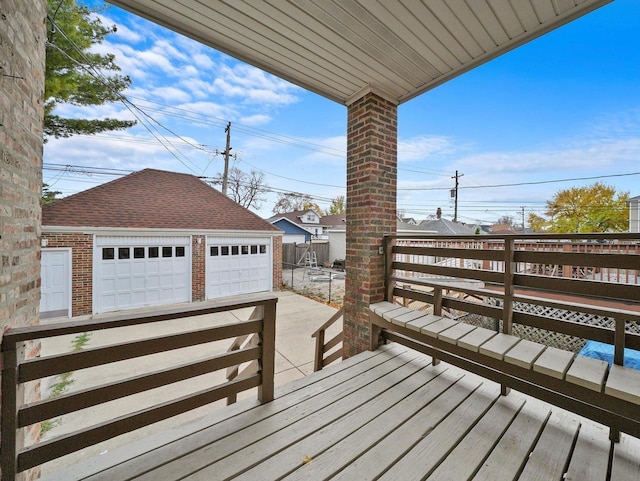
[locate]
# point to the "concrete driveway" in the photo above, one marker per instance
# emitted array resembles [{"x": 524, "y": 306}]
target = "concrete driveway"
[{"x": 297, "y": 317}]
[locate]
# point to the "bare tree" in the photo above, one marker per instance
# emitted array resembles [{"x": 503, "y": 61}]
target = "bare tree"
[
  {"x": 295, "y": 201},
  {"x": 246, "y": 189}
]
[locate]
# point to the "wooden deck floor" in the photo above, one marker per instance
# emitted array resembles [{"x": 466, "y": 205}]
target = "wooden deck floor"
[{"x": 385, "y": 415}]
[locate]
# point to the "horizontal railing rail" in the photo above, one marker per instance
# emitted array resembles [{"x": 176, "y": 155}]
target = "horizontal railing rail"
[
  {"x": 16, "y": 371},
  {"x": 322, "y": 347}
]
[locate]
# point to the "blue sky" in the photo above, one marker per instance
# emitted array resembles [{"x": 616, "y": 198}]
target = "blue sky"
[{"x": 566, "y": 106}]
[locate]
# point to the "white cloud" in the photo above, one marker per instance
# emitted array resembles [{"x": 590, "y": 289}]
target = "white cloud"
[
  {"x": 425, "y": 147},
  {"x": 256, "y": 119},
  {"x": 170, "y": 95}
]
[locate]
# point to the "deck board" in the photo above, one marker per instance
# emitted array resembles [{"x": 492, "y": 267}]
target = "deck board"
[
  {"x": 552, "y": 452},
  {"x": 590, "y": 458},
  {"x": 512, "y": 451},
  {"x": 263, "y": 433},
  {"x": 431, "y": 449},
  {"x": 479, "y": 443},
  {"x": 387, "y": 414}
]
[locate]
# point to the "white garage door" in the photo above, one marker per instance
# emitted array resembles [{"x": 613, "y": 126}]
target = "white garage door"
[
  {"x": 238, "y": 266},
  {"x": 141, "y": 271},
  {"x": 55, "y": 290}
]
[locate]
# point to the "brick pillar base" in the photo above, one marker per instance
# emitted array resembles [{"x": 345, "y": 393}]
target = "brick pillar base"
[{"x": 371, "y": 210}]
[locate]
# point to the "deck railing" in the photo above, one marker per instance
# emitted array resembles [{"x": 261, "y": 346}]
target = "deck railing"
[
  {"x": 584, "y": 286},
  {"x": 323, "y": 348},
  {"x": 596, "y": 275},
  {"x": 17, "y": 371}
]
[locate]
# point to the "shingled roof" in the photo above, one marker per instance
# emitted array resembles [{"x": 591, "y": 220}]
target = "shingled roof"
[{"x": 153, "y": 199}]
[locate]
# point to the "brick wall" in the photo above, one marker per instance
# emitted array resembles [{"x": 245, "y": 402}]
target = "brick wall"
[
  {"x": 81, "y": 267},
  {"x": 22, "y": 54},
  {"x": 371, "y": 210},
  {"x": 198, "y": 267},
  {"x": 277, "y": 263}
]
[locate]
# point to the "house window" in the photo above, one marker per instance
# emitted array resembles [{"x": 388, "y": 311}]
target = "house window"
[
  {"x": 167, "y": 251},
  {"x": 108, "y": 253},
  {"x": 138, "y": 252},
  {"x": 154, "y": 252},
  {"x": 254, "y": 249},
  {"x": 263, "y": 249},
  {"x": 213, "y": 251},
  {"x": 179, "y": 251},
  {"x": 245, "y": 250},
  {"x": 235, "y": 250},
  {"x": 124, "y": 253},
  {"x": 310, "y": 218},
  {"x": 225, "y": 250}
]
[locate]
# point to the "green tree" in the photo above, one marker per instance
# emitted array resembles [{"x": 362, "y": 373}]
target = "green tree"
[
  {"x": 594, "y": 208},
  {"x": 77, "y": 75},
  {"x": 48, "y": 196},
  {"x": 337, "y": 206}
]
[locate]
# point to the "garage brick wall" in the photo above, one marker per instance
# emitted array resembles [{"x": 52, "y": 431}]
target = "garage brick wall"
[
  {"x": 81, "y": 267},
  {"x": 198, "y": 269},
  {"x": 277, "y": 263}
]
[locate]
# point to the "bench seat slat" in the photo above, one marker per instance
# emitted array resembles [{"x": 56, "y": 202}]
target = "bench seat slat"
[
  {"x": 588, "y": 372},
  {"x": 389, "y": 315},
  {"x": 524, "y": 353},
  {"x": 402, "y": 319},
  {"x": 381, "y": 307},
  {"x": 498, "y": 345},
  {"x": 420, "y": 322},
  {"x": 434, "y": 328},
  {"x": 476, "y": 338},
  {"x": 624, "y": 383},
  {"x": 454, "y": 333},
  {"x": 553, "y": 362}
]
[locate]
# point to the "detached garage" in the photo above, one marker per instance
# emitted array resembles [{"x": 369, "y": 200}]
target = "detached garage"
[{"x": 152, "y": 238}]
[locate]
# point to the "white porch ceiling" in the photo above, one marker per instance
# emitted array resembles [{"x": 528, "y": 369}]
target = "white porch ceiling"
[{"x": 341, "y": 49}]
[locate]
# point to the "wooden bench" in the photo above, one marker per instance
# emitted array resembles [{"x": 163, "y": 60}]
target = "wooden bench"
[{"x": 589, "y": 387}]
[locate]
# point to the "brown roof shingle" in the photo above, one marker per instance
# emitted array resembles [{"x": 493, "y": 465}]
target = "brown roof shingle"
[{"x": 153, "y": 199}]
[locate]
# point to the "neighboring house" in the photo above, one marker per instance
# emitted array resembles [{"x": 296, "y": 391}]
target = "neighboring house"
[
  {"x": 447, "y": 227},
  {"x": 310, "y": 221},
  {"x": 152, "y": 238},
  {"x": 293, "y": 233},
  {"x": 634, "y": 214},
  {"x": 338, "y": 238}
]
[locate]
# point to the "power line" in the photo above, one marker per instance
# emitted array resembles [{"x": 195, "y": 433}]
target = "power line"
[{"x": 597, "y": 177}]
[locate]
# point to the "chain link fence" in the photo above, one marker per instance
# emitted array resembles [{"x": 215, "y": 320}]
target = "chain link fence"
[{"x": 322, "y": 283}]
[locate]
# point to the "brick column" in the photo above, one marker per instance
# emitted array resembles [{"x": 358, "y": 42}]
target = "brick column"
[
  {"x": 198, "y": 268},
  {"x": 22, "y": 58},
  {"x": 277, "y": 263},
  {"x": 371, "y": 210}
]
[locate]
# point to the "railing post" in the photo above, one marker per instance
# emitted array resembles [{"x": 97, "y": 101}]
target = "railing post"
[
  {"x": 267, "y": 361},
  {"x": 12, "y": 438},
  {"x": 319, "y": 357},
  {"x": 618, "y": 358},
  {"x": 507, "y": 305},
  {"x": 388, "y": 269}
]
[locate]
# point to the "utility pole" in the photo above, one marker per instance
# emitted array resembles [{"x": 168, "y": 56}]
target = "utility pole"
[
  {"x": 226, "y": 159},
  {"x": 455, "y": 196},
  {"x": 522, "y": 212}
]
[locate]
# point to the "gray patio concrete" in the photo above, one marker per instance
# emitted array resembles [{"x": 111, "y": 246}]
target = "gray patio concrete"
[{"x": 297, "y": 317}]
